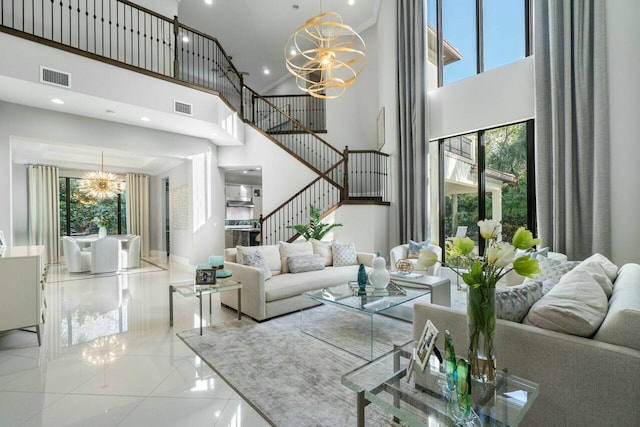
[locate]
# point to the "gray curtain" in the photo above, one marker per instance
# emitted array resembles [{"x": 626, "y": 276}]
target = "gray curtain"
[
  {"x": 412, "y": 117},
  {"x": 138, "y": 209},
  {"x": 572, "y": 127},
  {"x": 44, "y": 210}
]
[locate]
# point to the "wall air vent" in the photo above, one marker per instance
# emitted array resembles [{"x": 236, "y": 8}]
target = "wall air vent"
[
  {"x": 55, "y": 77},
  {"x": 182, "y": 108}
]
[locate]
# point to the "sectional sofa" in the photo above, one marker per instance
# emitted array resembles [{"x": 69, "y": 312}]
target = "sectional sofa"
[{"x": 584, "y": 380}]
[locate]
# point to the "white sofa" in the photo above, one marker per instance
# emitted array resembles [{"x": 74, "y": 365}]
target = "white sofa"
[
  {"x": 282, "y": 293},
  {"x": 583, "y": 381}
]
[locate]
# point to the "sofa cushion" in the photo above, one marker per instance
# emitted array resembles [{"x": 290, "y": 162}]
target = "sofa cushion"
[
  {"x": 414, "y": 248},
  {"x": 552, "y": 270},
  {"x": 597, "y": 271},
  {"x": 257, "y": 259},
  {"x": 271, "y": 254},
  {"x": 513, "y": 302},
  {"x": 621, "y": 324},
  {"x": 324, "y": 250},
  {"x": 577, "y": 305},
  {"x": 290, "y": 285},
  {"x": 610, "y": 268},
  {"x": 344, "y": 254},
  {"x": 291, "y": 249},
  {"x": 302, "y": 263}
]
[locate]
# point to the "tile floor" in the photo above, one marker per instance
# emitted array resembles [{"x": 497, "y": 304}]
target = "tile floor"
[{"x": 151, "y": 378}]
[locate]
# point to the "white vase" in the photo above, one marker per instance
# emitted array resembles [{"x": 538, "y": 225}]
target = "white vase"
[
  {"x": 102, "y": 232},
  {"x": 379, "y": 276}
]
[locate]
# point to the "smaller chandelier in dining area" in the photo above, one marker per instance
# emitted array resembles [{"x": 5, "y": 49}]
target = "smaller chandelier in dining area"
[
  {"x": 100, "y": 184},
  {"x": 325, "y": 55}
]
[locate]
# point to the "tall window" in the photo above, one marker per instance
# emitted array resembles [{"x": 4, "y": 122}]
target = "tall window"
[
  {"x": 467, "y": 37},
  {"x": 486, "y": 175},
  {"x": 79, "y": 214}
]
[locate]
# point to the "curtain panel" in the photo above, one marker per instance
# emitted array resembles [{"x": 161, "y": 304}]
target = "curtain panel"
[
  {"x": 44, "y": 209},
  {"x": 138, "y": 208},
  {"x": 572, "y": 127},
  {"x": 412, "y": 118}
]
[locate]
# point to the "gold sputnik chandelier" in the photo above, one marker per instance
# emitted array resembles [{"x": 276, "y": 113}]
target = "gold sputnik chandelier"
[
  {"x": 100, "y": 184},
  {"x": 325, "y": 55}
]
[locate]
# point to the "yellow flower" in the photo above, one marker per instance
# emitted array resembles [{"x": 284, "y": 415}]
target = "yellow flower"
[
  {"x": 489, "y": 228},
  {"x": 526, "y": 266},
  {"x": 464, "y": 244},
  {"x": 426, "y": 258},
  {"x": 523, "y": 239}
]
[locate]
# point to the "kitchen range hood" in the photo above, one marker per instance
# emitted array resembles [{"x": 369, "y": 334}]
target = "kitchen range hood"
[{"x": 239, "y": 202}]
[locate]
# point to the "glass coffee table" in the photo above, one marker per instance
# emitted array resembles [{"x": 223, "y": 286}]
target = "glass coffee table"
[
  {"x": 422, "y": 401},
  {"x": 190, "y": 289},
  {"x": 357, "y": 334}
]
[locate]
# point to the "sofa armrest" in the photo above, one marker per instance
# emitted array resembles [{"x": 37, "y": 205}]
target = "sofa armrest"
[
  {"x": 365, "y": 258},
  {"x": 574, "y": 373},
  {"x": 252, "y": 293}
]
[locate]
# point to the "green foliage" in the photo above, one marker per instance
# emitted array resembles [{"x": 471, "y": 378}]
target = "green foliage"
[{"x": 316, "y": 229}]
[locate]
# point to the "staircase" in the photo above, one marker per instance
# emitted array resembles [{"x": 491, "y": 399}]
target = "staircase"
[{"x": 123, "y": 34}]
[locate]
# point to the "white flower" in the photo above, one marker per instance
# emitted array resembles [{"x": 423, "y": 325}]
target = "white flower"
[
  {"x": 501, "y": 254},
  {"x": 489, "y": 228},
  {"x": 426, "y": 258}
]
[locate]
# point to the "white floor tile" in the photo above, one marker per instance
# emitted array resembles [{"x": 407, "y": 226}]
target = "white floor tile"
[
  {"x": 194, "y": 379},
  {"x": 15, "y": 408},
  {"x": 239, "y": 413},
  {"x": 84, "y": 410},
  {"x": 169, "y": 412}
]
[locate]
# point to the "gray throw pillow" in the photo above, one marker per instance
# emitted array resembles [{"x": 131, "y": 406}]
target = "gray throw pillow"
[
  {"x": 257, "y": 260},
  {"x": 513, "y": 302},
  {"x": 303, "y": 263}
]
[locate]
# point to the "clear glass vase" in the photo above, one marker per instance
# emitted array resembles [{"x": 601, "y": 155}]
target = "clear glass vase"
[{"x": 481, "y": 320}]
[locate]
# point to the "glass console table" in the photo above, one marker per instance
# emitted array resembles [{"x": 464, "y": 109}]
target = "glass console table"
[
  {"x": 190, "y": 289},
  {"x": 422, "y": 401}
]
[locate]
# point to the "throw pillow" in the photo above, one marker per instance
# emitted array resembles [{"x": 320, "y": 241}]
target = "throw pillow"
[
  {"x": 414, "y": 248},
  {"x": 344, "y": 254},
  {"x": 577, "y": 305},
  {"x": 513, "y": 302},
  {"x": 553, "y": 270},
  {"x": 324, "y": 250},
  {"x": 596, "y": 271},
  {"x": 271, "y": 254},
  {"x": 303, "y": 263},
  {"x": 257, "y": 260},
  {"x": 610, "y": 268},
  {"x": 292, "y": 249}
]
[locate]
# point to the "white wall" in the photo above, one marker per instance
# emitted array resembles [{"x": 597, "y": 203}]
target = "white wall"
[
  {"x": 623, "y": 39},
  {"x": 282, "y": 175},
  {"x": 496, "y": 97},
  {"x": 364, "y": 225}
]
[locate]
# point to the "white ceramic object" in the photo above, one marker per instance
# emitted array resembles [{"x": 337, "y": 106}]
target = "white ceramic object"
[
  {"x": 379, "y": 276},
  {"x": 102, "y": 232}
]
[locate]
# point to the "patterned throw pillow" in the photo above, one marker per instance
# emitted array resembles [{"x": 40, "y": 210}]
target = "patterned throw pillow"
[
  {"x": 551, "y": 271},
  {"x": 414, "y": 248},
  {"x": 513, "y": 302},
  {"x": 344, "y": 254},
  {"x": 303, "y": 263},
  {"x": 257, "y": 260}
]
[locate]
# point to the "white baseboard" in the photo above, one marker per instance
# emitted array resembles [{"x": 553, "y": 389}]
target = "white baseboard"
[
  {"x": 158, "y": 253},
  {"x": 180, "y": 260}
]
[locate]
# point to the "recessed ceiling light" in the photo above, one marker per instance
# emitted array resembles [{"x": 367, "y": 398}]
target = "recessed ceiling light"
[
  {"x": 245, "y": 171},
  {"x": 258, "y": 169},
  {"x": 266, "y": 71},
  {"x": 351, "y": 2},
  {"x": 145, "y": 119},
  {"x": 208, "y": 1},
  {"x": 185, "y": 39},
  {"x": 57, "y": 101}
]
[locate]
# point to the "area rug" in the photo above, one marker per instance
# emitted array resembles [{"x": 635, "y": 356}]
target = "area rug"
[
  {"x": 288, "y": 376},
  {"x": 59, "y": 273}
]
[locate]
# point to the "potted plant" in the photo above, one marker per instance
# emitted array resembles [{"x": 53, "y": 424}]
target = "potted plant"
[{"x": 316, "y": 229}]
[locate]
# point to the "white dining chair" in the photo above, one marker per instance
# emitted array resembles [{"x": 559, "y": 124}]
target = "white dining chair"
[
  {"x": 76, "y": 260},
  {"x": 105, "y": 255},
  {"x": 130, "y": 255}
]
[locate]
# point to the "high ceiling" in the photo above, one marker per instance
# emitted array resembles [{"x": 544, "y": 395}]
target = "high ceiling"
[{"x": 254, "y": 32}]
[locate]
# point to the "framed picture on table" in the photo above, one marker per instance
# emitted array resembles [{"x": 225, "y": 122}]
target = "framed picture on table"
[
  {"x": 206, "y": 277},
  {"x": 424, "y": 347}
]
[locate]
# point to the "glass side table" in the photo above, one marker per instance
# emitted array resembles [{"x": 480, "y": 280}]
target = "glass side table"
[
  {"x": 190, "y": 289},
  {"x": 422, "y": 401}
]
